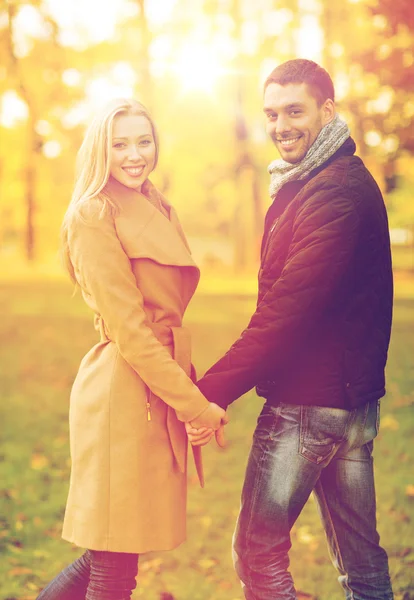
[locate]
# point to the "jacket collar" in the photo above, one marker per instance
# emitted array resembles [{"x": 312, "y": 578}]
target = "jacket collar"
[
  {"x": 348, "y": 148},
  {"x": 292, "y": 188}
]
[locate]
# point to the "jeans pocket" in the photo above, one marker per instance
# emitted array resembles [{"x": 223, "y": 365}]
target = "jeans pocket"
[
  {"x": 266, "y": 423},
  {"x": 372, "y": 421},
  {"x": 378, "y": 419},
  {"x": 322, "y": 430}
]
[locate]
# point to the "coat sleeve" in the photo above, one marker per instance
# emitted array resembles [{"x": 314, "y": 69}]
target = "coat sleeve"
[
  {"x": 103, "y": 271},
  {"x": 323, "y": 245}
]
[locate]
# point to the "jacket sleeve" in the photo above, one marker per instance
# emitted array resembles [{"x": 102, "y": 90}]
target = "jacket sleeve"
[
  {"x": 104, "y": 272},
  {"x": 323, "y": 244}
]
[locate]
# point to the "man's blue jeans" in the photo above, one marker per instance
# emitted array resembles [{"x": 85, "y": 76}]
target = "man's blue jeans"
[
  {"x": 95, "y": 575},
  {"x": 297, "y": 450}
]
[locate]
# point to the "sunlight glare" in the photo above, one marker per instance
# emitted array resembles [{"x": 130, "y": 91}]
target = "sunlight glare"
[
  {"x": 372, "y": 138},
  {"x": 275, "y": 22},
  {"x": 342, "y": 86},
  {"x": 197, "y": 67},
  {"x": 85, "y": 22},
  {"x": 76, "y": 115},
  {"x": 28, "y": 24},
  {"x": 12, "y": 109},
  {"x": 309, "y": 39},
  {"x": 71, "y": 77},
  {"x": 102, "y": 89},
  {"x": 160, "y": 12},
  {"x": 52, "y": 149}
]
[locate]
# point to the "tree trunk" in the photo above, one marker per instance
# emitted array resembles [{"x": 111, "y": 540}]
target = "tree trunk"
[
  {"x": 146, "y": 90},
  {"x": 248, "y": 216},
  {"x": 32, "y": 145}
]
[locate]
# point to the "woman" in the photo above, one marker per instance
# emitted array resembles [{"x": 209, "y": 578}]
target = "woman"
[{"x": 133, "y": 394}]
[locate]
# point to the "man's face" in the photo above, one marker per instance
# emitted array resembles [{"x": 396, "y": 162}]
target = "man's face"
[{"x": 294, "y": 118}]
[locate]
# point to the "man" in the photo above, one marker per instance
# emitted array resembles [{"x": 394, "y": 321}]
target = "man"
[{"x": 315, "y": 348}]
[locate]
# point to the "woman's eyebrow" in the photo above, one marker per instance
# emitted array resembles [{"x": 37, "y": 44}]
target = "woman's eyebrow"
[{"x": 117, "y": 137}]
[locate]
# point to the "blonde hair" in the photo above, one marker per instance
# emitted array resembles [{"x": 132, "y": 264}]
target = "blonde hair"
[{"x": 93, "y": 164}]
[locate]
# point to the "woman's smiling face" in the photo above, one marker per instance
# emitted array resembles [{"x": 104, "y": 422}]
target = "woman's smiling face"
[
  {"x": 294, "y": 118},
  {"x": 133, "y": 151}
]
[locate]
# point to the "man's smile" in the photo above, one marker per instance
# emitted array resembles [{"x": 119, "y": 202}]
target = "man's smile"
[{"x": 285, "y": 143}]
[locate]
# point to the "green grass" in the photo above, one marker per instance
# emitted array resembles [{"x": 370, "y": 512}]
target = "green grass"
[{"x": 44, "y": 334}]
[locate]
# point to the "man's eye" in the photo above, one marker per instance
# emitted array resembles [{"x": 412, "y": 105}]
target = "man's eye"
[
  {"x": 271, "y": 116},
  {"x": 295, "y": 113}
]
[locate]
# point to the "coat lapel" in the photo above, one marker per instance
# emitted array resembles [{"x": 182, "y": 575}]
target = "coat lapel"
[{"x": 145, "y": 232}]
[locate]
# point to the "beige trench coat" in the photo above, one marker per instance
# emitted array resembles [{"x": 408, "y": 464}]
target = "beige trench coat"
[{"x": 128, "y": 480}]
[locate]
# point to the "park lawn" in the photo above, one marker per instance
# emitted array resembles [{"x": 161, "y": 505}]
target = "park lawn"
[{"x": 45, "y": 333}]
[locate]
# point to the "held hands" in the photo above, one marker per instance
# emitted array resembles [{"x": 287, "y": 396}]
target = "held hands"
[{"x": 211, "y": 422}]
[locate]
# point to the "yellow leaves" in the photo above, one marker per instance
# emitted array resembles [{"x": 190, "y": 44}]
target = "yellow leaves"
[
  {"x": 14, "y": 549},
  {"x": 206, "y": 564},
  {"x": 32, "y": 586},
  {"x": 389, "y": 422},
  {"x": 20, "y": 519},
  {"x": 206, "y": 521},
  {"x": 16, "y": 571},
  {"x": 151, "y": 565},
  {"x": 409, "y": 490},
  {"x": 41, "y": 554},
  {"x": 60, "y": 442},
  {"x": 307, "y": 538},
  {"x": 39, "y": 461},
  {"x": 304, "y": 536}
]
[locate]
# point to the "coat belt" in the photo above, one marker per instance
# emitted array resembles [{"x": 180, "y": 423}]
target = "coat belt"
[
  {"x": 176, "y": 337},
  {"x": 180, "y": 340}
]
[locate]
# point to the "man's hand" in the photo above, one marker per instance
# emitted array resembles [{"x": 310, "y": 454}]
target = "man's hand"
[
  {"x": 200, "y": 436},
  {"x": 210, "y": 418}
]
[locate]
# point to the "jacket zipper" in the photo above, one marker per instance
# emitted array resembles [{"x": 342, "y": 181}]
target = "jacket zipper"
[{"x": 265, "y": 249}]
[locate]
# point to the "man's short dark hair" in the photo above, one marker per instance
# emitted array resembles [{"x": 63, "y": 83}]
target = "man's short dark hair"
[{"x": 301, "y": 70}]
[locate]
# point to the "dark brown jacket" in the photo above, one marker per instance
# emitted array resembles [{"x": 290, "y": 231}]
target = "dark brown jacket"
[{"x": 321, "y": 329}]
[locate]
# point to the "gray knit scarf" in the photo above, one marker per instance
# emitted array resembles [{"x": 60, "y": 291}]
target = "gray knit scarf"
[{"x": 330, "y": 139}]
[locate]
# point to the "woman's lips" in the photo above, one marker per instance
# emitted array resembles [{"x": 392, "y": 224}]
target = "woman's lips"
[{"x": 134, "y": 171}]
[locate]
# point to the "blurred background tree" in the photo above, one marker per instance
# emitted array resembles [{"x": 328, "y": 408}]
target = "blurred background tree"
[{"x": 199, "y": 65}]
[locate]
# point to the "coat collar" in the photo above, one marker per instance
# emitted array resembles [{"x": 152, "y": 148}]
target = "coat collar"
[{"x": 144, "y": 231}]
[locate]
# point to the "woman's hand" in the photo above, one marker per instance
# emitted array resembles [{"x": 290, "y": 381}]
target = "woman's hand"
[{"x": 198, "y": 437}]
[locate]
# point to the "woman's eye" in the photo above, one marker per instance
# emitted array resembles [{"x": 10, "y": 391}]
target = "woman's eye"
[
  {"x": 145, "y": 142},
  {"x": 119, "y": 145}
]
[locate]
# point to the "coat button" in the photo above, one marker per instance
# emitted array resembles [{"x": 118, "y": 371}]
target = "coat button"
[{"x": 348, "y": 385}]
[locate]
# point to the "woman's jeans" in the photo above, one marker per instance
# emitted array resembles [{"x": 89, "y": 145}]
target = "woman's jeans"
[
  {"x": 95, "y": 576},
  {"x": 297, "y": 450}
]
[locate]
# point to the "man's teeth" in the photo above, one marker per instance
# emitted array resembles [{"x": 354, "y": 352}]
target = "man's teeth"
[
  {"x": 289, "y": 142},
  {"x": 134, "y": 170}
]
